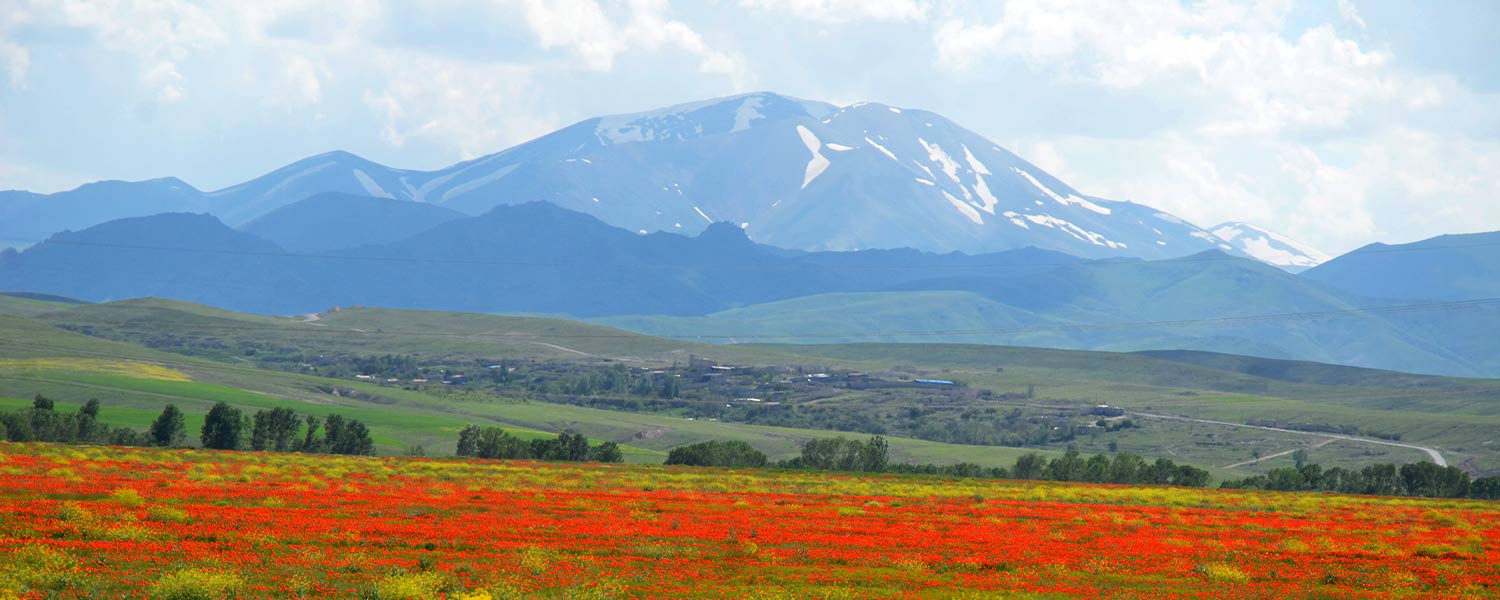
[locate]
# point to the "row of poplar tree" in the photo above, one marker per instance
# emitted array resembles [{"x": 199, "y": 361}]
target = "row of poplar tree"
[
  {"x": 224, "y": 428},
  {"x": 276, "y": 430}
]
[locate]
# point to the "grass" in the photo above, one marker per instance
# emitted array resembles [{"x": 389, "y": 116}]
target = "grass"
[{"x": 1458, "y": 416}]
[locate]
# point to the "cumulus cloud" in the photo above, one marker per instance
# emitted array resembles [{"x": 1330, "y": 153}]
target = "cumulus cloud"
[
  {"x": 475, "y": 108},
  {"x": 17, "y": 61},
  {"x": 159, "y": 34},
  {"x": 1351, "y": 14},
  {"x": 1232, "y": 57},
  {"x": 841, "y": 11},
  {"x": 583, "y": 27}
]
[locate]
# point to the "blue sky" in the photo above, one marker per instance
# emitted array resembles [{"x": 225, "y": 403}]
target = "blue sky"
[{"x": 1338, "y": 122}]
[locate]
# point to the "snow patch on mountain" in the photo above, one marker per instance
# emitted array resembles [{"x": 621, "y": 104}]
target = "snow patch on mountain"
[
  {"x": 963, "y": 207},
  {"x": 371, "y": 188},
  {"x": 1070, "y": 199},
  {"x": 818, "y": 163},
  {"x": 746, "y": 113},
  {"x": 477, "y": 182},
  {"x": 939, "y": 156},
  {"x": 1074, "y": 230},
  {"x": 882, "y": 149},
  {"x": 1269, "y": 247}
]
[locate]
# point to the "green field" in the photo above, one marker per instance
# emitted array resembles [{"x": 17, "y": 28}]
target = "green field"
[
  {"x": 398, "y": 418},
  {"x": 218, "y": 349}
]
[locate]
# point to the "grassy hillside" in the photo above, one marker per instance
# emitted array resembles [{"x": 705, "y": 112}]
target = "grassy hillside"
[
  {"x": 30, "y": 305},
  {"x": 134, "y": 383},
  {"x": 1460, "y": 417}
]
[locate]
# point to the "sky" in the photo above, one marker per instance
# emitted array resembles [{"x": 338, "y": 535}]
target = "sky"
[{"x": 1336, "y": 122}]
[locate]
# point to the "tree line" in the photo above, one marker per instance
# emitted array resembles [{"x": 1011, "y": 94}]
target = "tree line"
[
  {"x": 1422, "y": 479},
  {"x": 872, "y": 456},
  {"x": 224, "y": 428},
  {"x": 494, "y": 442},
  {"x": 41, "y": 422}
]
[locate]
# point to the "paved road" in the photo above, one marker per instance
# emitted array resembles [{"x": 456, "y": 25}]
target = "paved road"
[{"x": 1437, "y": 457}]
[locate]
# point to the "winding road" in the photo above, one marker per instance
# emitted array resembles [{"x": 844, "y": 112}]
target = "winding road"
[{"x": 1437, "y": 457}]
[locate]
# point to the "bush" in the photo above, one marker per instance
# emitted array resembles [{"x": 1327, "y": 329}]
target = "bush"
[
  {"x": 127, "y": 497},
  {"x": 167, "y": 514},
  {"x": 38, "y": 568},
  {"x": 717, "y": 454},
  {"x": 411, "y": 586},
  {"x": 194, "y": 584},
  {"x": 1223, "y": 572}
]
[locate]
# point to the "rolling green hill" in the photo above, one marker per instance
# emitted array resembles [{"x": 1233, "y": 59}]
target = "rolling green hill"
[
  {"x": 1459, "y": 417},
  {"x": 134, "y": 383}
]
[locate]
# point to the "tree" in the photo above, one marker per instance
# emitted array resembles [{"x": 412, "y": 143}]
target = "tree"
[
  {"x": 607, "y": 452},
  {"x": 169, "y": 428},
  {"x": 88, "y": 422},
  {"x": 1300, "y": 457},
  {"x": 347, "y": 436},
  {"x": 468, "y": 441},
  {"x": 717, "y": 453},
  {"x": 1070, "y": 467},
  {"x": 494, "y": 442},
  {"x": 274, "y": 430},
  {"x": 1126, "y": 468},
  {"x": 223, "y": 428},
  {"x": 41, "y": 402},
  {"x": 310, "y": 441},
  {"x": 1190, "y": 476},
  {"x": 1030, "y": 466}
]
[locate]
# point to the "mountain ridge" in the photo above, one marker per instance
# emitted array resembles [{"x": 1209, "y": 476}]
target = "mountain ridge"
[{"x": 793, "y": 173}]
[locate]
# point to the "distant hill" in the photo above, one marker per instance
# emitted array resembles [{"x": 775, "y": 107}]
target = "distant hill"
[
  {"x": 182, "y": 255},
  {"x": 538, "y": 258},
  {"x": 29, "y": 217},
  {"x": 1444, "y": 268},
  {"x": 332, "y": 220}
]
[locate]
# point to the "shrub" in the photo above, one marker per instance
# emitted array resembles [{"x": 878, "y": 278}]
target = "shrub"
[
  {"x": 167, "y": 514},
  {"x": 38, "y": 567},
  {"x": 424, "y": 585},
  {"x": 194, "y": 584},
  {"x": 1223, "y": 572},
  {"x": 127, "y": 497}
]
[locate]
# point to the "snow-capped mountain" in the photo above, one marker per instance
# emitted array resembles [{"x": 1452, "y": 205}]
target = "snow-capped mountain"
[
  {"x": 1270, "y": 247},
  {"x": 793, "y": 173}
]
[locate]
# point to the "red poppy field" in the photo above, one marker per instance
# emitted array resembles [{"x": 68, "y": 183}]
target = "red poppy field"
[{"x": 90, "y": 522}]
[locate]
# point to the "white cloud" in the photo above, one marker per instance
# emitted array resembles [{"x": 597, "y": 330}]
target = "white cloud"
[
  {"x": 1351, "y": 14},
  {"x": 160, "y": 34},
  {"x": 302, "y": 78},
  {"x": 841, "y": 11},
  {"x": 474, "y": 108},
  {"x": 583, "y": 27},
  {"x": 1231, "y": 57},
  {"x": 17, "y": 61},
  {"x": 1395, "y": 184}
]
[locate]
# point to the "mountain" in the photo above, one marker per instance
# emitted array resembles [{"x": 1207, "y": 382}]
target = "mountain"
[
  {"x": 332, "y": 220},
  {"x": 338, "y": 171},
  {"x": 1269, "y": 247},
  {"x": 540, "y": 258},
  {"x": 812, "y": 176},
  {"x": 1211, "y": 302},
  {"x": 1445, "y": 268},
  {"x": 792, "y": 173},
  {"x": 178, "y": 255},
  {"x": 26, "y": 217}
]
